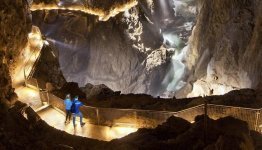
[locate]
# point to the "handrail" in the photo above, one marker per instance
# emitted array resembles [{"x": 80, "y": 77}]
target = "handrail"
[
  {"x": 255, "y": 109},
  {"x": 144, "y": 113},
  {"x": 147, "y": 110},
  {"x": 111, "y": 116},
  {"x": 248, "y": 108},
  {"x": 36, "y": 53}
]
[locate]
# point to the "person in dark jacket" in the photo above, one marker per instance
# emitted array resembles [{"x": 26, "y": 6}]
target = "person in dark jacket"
[
  {"x": 76, "y": 111},
  {"x": 68, "y": 104}
]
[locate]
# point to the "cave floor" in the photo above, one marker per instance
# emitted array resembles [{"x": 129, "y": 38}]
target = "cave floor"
[{"x": 56, "y": 119}]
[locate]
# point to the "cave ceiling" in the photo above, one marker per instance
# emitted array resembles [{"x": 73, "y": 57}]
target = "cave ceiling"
[{"x": 103, "y": 9}]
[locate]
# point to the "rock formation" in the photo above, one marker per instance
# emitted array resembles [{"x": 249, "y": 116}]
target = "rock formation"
[
  {"x": 101, "y": 96},
  {"x": 21, "y": 127},
  {"x": 176, "y": 133},
  {"x": 15, "y": 24},
  {"x": 103, "y": 9},
  {"x": 48, "y": 68},
  {"x": 224, "y": 47},
  {"x": 129, "y": 53},
  {"x": 98, "y": 92}
]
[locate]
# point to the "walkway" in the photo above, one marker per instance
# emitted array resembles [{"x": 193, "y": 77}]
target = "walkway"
[
  {"x": 23, "y": 67},
  {"x": 56, "y": 119},
  {"x": 30, "y": 96}
]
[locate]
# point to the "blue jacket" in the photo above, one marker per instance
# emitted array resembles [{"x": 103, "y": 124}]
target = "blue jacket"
[
  {"x": 78, "y": 104},
  {"x": 68, "y": 104}
]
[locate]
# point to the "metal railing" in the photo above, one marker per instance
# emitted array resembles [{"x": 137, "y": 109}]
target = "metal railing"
[
  {"x": 128, "y": 117},
  {"x": 29, "y": 69},
  {"x": 152, "y": 118},
  {"x": 142, "y": 118},
  {"x": 251, "y": 116}
]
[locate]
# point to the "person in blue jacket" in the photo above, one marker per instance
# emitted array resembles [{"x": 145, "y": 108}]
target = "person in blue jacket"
[
  {"x": 68, "y": 104},
  {"x": 76, "y": 112}
]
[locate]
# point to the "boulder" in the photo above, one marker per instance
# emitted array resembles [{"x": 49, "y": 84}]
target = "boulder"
[{"x": 98, "y": 92}]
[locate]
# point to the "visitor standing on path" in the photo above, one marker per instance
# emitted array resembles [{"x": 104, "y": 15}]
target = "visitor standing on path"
[
  {"x": 68, "y": 105},
  {"x": 76, "y": 112}
]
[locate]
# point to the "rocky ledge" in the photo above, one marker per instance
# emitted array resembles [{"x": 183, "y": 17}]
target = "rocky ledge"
[{"x": 101, "y": 96}]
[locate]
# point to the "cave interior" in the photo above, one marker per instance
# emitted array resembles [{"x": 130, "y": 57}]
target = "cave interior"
[{"x": 150, "y": 74}]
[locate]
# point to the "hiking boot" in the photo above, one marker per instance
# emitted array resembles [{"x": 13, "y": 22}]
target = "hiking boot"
[{"x": 82, "y": 124}]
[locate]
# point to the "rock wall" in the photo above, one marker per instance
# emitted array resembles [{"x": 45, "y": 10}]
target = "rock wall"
[
  {"x": 130, "y": 52},
  {"x": 225, "y": 47},
  {"x": 150, "y": 49},
  {"x": 15, "y": 24},
  {"x": 48, "y": 69},
  {"x": 98, "y": 4},
  {"x": 103, "y": 9},
  {"x": 16, "y": 130}
]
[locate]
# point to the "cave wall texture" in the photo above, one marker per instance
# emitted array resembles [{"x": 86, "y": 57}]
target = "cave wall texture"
[
  {"x": 103, "y": 9},
  {"x": 18, "y": 132},
  {"x": 225, "y": 46},
  {"x": 163, "y": 48},
  {"x": 15, "y": 24},
  {"x": 98, "y": 4},
  {"x": 127, "y": 53}
]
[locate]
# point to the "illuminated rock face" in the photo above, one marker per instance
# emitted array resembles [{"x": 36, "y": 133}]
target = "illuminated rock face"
[
  {"x": 130, "y": 52},
  {"x": 150, "y": 48},
  {"x": 103, "y": 9},
  {"x": 98, "y": 4},
  {"x": 224, "y": 48},
  {"x": 94, "y": 52},
  {"x": 15, "y": 25}
]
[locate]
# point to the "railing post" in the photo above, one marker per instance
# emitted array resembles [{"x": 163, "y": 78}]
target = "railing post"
[
  {"x": 136, "y": 124},
  {"x": 24, "y": 74},
  {"x": 205, "y": 123},
  {"x": 97, "y": 116},
  {"x": 48, "y": 99},
  {"x": 37, "y": 85},
  {"x": 257, "y": 118}
]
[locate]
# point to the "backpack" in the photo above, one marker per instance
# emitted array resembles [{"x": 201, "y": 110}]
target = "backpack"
[{"x": 73, "y": 108}]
